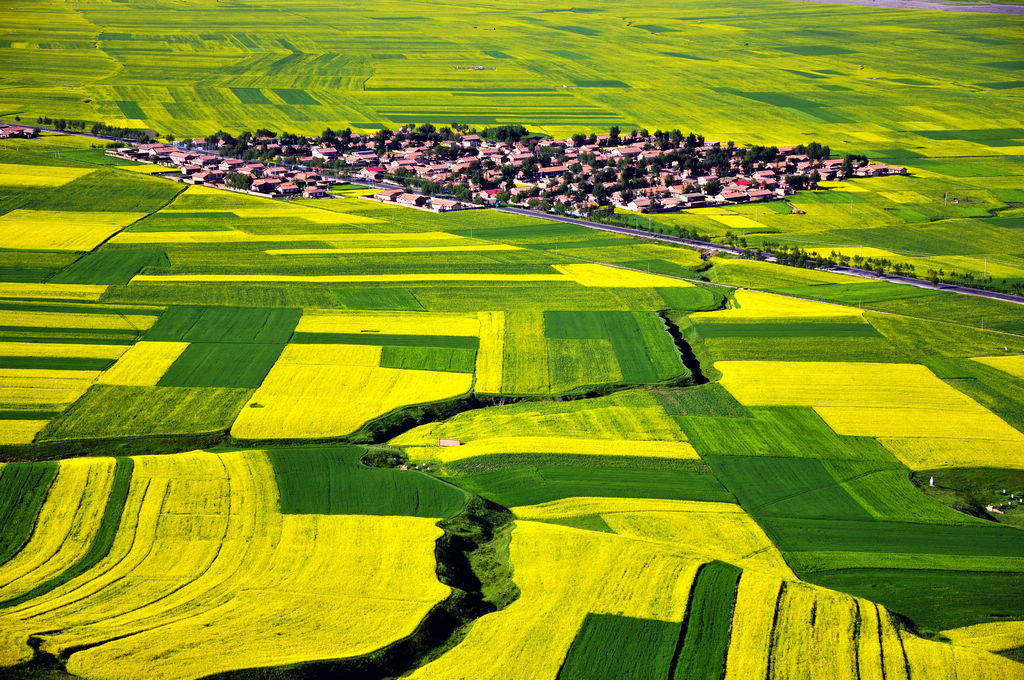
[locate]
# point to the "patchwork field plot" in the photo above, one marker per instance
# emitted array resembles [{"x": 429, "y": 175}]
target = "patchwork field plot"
[
  {"x": 316, "y": 391},
  {"x": 541, "y": 65},
  {"x": 177, "y": 557},
  {"x": 917, "y": 405},
  {"x": 654, "y": 477}
]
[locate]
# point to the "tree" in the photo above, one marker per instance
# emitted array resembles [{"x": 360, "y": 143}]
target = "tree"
[
  {"x": 237, "y": 180},
  {"x": 713, "y": 187}
]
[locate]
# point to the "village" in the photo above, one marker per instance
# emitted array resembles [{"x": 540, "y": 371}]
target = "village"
[{"x": 445, "y": 170}]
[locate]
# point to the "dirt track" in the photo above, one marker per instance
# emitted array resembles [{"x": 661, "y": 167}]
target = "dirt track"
[{"x": 927, "y": 4}]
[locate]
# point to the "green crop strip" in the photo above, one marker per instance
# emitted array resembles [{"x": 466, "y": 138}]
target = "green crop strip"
[
  {"x": 705, "y": 642},
  {"x": 609, "y": 646},
  {"x": 333, "y": 481},
  {"x": 23, "y": 488}
]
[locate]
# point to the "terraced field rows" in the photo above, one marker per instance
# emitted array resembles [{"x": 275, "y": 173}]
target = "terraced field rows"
[{"x": 202, "y": 541}]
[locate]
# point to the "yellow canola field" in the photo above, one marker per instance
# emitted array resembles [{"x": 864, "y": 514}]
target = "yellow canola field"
[
  {"x": 938, "y": 452},
  {"x": 315, "y": 215},
  {"x": 237, "y": 236},
  {"x": 406, "y": 249},
  {"x": 603, "y": 276},
  {"x": 63, "y": 291},
  {"x": 632, "y": 414},
  {"x": 563, "y": 575},
  {"x": 490, "y": 357},
  {"x": 23, "y": 319},
  {"x": 344, "y": 278},
  {"x": 143, "y": 364},
  {"x": 711, "y": 531},
  {"x": 754, "y": 305},
  {"x": 67, "y": 523},
  {"x": 1014, "y": 365},
  {"x": 937, "y": 661},
  {"x": 853, "y": 251},
  {"x": 850, "y": 638},
  {"x": 740, "y": 272},
  {"x": 563, "y": 445},
  {"x": 741, "y": 222},
  {"x": 206, "y": 575},
  {"x": 39, "y": 175},
  {"x": 309, "y": 393},
  {"x": 996, "y": 636},
  {"x": 61, "y": 349},
  {"x": 21, "y": 431},
  {"x": 61, "y": 229},
  {"x": 390, "y": 323},
  {"x": 27, "y": 388},
  {"x": 868, "y": 399}
]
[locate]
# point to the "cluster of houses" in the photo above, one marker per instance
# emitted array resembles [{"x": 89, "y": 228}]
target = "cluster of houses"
[
  {"x": 411, "y": 200},
  {"x": 201, "y": 167},
  {"x": 8, "y": 131},
  {"x": 569, "y": 172},
  {"x": 639, "y": 172}
]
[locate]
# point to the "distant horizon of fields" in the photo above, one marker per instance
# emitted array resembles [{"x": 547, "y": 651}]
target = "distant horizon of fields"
[
  {"x": 856, "y": 78},
  {"x": 226, "y": 421}
]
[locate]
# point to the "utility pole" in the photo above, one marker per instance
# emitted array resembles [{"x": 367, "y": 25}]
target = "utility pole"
[
  {"x": 945, "y": 197},
  {"x": 851, "y": 207}
]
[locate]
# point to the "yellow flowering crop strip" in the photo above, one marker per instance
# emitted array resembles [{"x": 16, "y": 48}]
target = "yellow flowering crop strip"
[
  {"x": 404, "y": 249},
  {"x": 709, "y": 530},
  {"x": 39, "y": 175},
  {"x": 1014, "y": 365},
  {"x": 750, "y": 640},
  {"x": 20, "y": 387},
  {"x": 603, "y": 276},
  {"x": 63, "y": 291},
  {"x": 996, "y": 636},
  {"x": 390, "y": 323},
  {"x": 238, "y": 236},
  {"x": 309, "y": 393},
  {"x": 143, "y": 364},
  {"x": 203, "y": 559},
  {"x": 930, "y": 660},
  {"x": 315, "y": 215},
  {"x": 562, "y": 445},
  {"x": 21, "y": 431},
  {"x": 61, "y": 229},
  {"x": 60, "y": 349},
  {"x": 348, "y": 278},
  {"x": 754, "y": 305},
  {"x": 743, "y": 272},
  {"x": 18, "y": 318},
  {"x": 490, "y": 357},
  {"x": 795, "y": 640},
  {"x": 633, "y": 414},
  {"x": 741, "y": 222}
]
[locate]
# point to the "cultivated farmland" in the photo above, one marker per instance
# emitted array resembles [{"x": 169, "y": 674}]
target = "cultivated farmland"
[{"x": 244, "y": 437}]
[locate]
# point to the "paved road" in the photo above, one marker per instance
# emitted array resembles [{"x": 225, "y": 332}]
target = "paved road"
[{"x": 850, "y": 271}]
